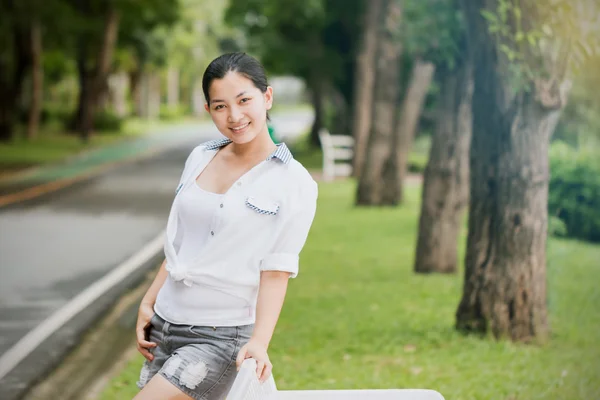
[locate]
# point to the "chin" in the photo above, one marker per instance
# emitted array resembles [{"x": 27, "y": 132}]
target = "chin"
[{"x": 243, "y": 138}]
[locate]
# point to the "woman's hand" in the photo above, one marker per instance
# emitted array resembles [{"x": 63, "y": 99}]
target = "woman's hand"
[
  {"x": 145, "y": 314},
  {"x": 258, "y": 351}
]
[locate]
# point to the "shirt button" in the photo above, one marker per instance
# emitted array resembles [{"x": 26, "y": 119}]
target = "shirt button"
[
  {"x": 221, "y": 205},
  {"x": 239, "y": 183},
  {"x": 212, "y": 233}
]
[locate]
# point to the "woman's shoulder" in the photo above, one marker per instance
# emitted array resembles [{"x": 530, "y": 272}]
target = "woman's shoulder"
[{"x": 299, "y": 178}]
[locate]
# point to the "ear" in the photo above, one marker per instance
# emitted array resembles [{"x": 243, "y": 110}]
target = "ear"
[
  {"x": 269, "y": 97},
  {"x": 206, "y": 108}
]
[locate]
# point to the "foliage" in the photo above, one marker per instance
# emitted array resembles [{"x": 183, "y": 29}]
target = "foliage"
[
  {"x": 107, "y": 121},
  {"x": 580, "y": 121},
  {"x": 436, "y": 36},
  {"x": 315, "y": 40},
  {"x": 544, "y": 40},
  {"x": 574, "y": 192},
  {"x": 357, "y": 317},
  {"x": 168, "y": 113}
]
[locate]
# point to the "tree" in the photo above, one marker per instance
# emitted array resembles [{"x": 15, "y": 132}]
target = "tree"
[
  {"x": 445, "y": 193},
  {"x": 314, "y": 40},
  {"x": 98, "y": 25},
  {"x": 364, "y": 81},
  {"x": 409, "y": 113},
  {"x": 521, "y": 52},
  {"x": 380, "y": 160},
  {"x": 15, "y": 59},
  {"x": 37, "y": 76}
]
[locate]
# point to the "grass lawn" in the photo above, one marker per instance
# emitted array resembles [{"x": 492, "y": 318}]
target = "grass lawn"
[
  {"x": 357, "y": 317},
  {"x": 53, "y": 145}
]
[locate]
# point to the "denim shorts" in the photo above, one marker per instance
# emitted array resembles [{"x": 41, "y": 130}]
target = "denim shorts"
[{"x": 199, "y": 360}]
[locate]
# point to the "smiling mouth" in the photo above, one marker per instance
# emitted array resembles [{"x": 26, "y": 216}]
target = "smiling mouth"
[{"x": 240, "y": 128}]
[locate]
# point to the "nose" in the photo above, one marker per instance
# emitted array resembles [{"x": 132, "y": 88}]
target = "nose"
[{"x": 235, "y": 114}]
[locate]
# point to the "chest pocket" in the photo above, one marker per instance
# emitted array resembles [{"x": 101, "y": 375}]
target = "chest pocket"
[{"x": 262, "y": 206}]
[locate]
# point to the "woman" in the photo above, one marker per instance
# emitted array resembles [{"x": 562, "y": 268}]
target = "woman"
[{"x": 240, "y": 217}]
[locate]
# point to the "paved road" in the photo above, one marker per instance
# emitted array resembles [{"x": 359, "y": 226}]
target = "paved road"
[{"x": 54, "y": 247}]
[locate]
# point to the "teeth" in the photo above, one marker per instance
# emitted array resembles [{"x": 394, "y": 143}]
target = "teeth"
[{"x": 240, "y": 127}]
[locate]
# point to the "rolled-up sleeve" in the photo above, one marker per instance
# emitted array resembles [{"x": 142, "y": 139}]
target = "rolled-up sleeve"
[{"x": 285, "y": 254}]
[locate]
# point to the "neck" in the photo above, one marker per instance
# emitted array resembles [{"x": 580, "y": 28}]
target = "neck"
[{"x": 261, "y": 145}]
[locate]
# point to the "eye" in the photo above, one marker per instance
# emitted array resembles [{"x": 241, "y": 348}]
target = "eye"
[
  {"x": 218, "y": 107},
  {"x": 245, "y": 100}
]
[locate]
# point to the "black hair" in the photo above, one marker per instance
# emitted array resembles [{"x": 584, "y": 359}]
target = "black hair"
[{"x": 241, "y": 63}]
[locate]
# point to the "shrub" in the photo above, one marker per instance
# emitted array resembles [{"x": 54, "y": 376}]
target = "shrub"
[
  {"x": 107, "y": 121},
  {"x": 172, "y": 112},
  {"x": 574, "y": 191}
]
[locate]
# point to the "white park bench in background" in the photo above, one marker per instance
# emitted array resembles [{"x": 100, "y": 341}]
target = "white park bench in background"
[
  {"x": 247, "y": 387},
  {"x": 336, "y": 148}
]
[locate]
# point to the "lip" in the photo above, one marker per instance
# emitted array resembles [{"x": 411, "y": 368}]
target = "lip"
[{"x": 238, "y": 131}]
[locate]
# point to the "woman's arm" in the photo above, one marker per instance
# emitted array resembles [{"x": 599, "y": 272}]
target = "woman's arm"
[
  {"x": 146, "y": 311},
  {"x": 271, "y": 293},
  {"x": 150, "y": 296}
]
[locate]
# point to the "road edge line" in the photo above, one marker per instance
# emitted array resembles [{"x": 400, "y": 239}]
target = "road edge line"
[{"x": 33, "y": 338}]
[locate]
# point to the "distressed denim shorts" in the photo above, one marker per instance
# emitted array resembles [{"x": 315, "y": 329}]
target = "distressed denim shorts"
[{"x": 199, "y": 360}]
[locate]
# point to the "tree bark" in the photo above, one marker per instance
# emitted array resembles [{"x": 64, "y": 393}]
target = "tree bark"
[
  {"x": 446, "y": 187},
  {"x": 380, "y": 155},
  {"x": 97, "y": 82},
  {"x": 317, "y": 94},
  {"x": 118, "y": 93},
  {"x": 364, "y": 85},
  {"x": 37, "y": 75},
  {"x": 410, "y": 111},
  {"x": 13, "y": 69},
  {"x": 173, "y": 87},
  {"x": 505, "y": 264},
  {"x": 153, "y": 95}
]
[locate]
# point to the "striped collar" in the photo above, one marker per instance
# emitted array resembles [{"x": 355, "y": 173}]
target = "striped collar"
[{"x": 282, "y": 153}]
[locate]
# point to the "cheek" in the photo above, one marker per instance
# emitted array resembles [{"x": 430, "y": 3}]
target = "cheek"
[
  {"x": 258, "y": 111},
  {"x": 219, "y": 118}
]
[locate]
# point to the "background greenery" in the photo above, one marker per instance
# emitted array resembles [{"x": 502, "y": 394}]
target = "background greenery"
[{"x": 358, "y": 317}]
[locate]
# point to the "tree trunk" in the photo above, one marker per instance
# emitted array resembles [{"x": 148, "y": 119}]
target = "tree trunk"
[
  {"x": 505, "y": 264},
  {"x": 446, "y": 187},
  {"x": 364, "y": 84},
  {"x": 380, "y": 158},
  {"x": 198, "y": 99},
  {"x": 118, "y": 93},
  {"x": 153, "y": 95},
  {"x": 317, "y": 93},
  {"x": 135, "y": 78},
  {"x": 173, "y": 87},
  {"x": 410, "y": 111},
  {"x": 37, "y": 75},
  {"x": 339, "y": 121},
  {"x": 13, "y": 69},
  {"x": 98, "y": 81}
]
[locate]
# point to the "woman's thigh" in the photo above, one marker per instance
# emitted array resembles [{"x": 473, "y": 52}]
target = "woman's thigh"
[{"x": 161, "y": 389}]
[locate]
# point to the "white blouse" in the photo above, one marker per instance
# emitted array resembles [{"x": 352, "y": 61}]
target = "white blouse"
[{"x": 260, "y": 224}]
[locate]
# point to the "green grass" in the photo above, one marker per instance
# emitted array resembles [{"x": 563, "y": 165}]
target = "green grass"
[
  {"x": 357, "y": 317},
  {"x": 53, "y": 144}
]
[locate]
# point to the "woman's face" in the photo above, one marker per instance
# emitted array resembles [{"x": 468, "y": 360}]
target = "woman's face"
[{"x": 238, "y": 108}]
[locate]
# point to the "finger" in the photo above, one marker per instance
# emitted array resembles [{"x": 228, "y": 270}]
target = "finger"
[
  {"x": 266, "y": 372},
  {"x": 146, "y": 344},
  {"x": 147, "y": 355},
  {"x": 260, "y": 365},
  {"x": 240, "y": 358}
]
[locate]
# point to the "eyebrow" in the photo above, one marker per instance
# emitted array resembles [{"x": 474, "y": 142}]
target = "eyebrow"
[{"x": 223, "y": 101}]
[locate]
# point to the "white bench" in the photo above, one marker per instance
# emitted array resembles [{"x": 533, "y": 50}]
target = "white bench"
[
  {"x": 336, "y": 148},
  {"x": 247, "y": 387}
]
